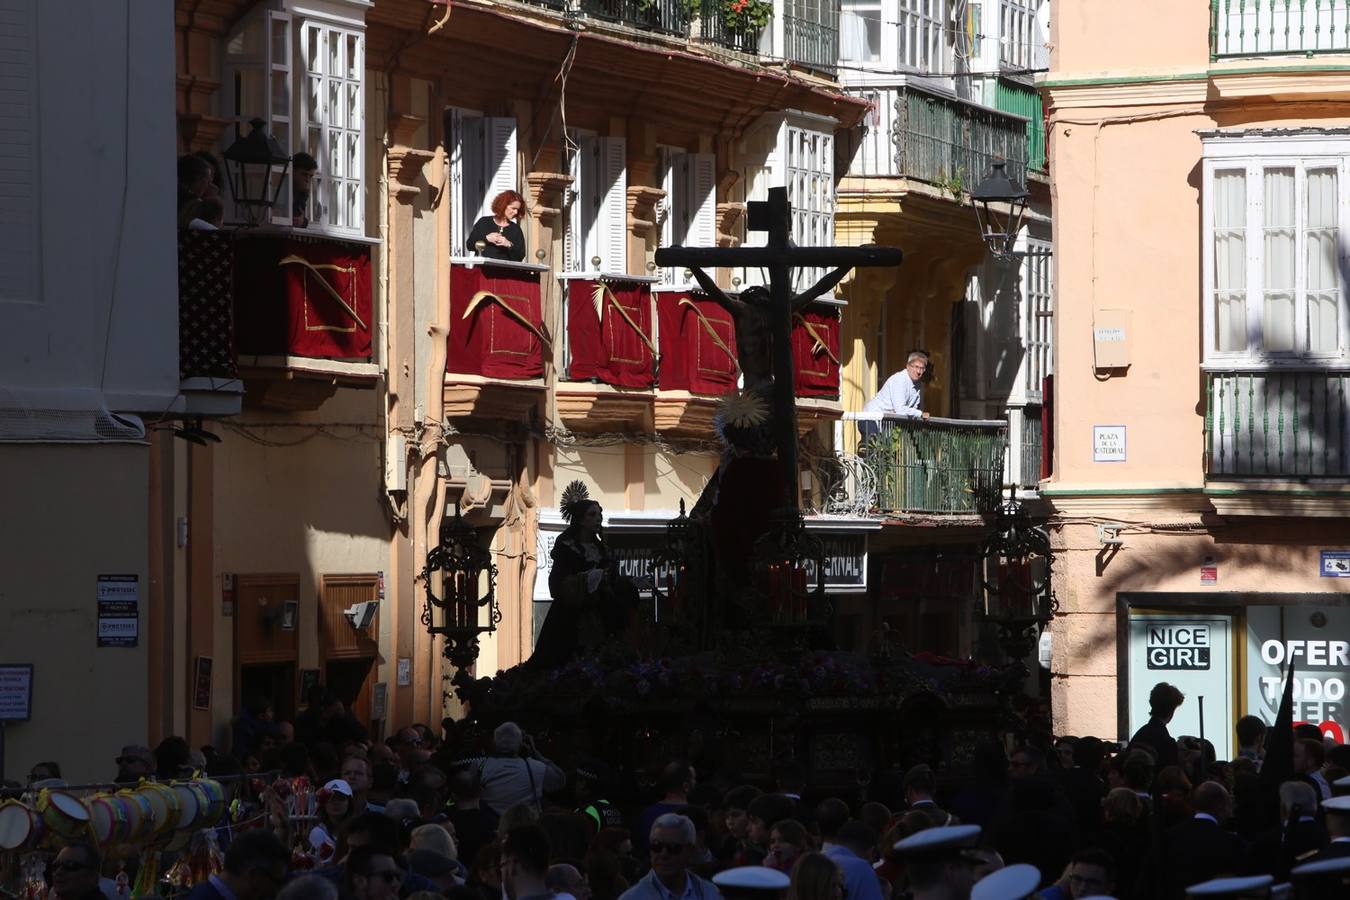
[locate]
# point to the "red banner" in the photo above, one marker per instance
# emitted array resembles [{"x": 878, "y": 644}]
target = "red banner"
[
  {"x": 698, "y": 343},
  {"x": 302, "y": 296},
  {"x": 609, "y": 327},
  {"x": 815, "y": 351},
  {"x": 496, "y": 322}
]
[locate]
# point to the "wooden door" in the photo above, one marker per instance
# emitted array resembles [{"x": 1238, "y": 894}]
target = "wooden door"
[
  {"x": 350, "y": 654},
  {"x": 266, "y": 630}
]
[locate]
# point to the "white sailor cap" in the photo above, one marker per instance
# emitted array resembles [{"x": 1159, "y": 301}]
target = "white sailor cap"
[
  {"x": 1343, "y": 782},
  {"x": 1009, "y": 883},
  {"x": 1250, "y": 885},
  {"x": 1337, "y": 865},
  {"x": 754, "y": 879},
  {"x": 1337, "y": 805},
  {"x": 945, "y": 840}
]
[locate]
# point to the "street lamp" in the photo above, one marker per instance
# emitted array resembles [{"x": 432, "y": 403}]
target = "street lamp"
[
  {"x": 999, "y": 206},
  {"x": 253, "y": 159},
  {"x": 1015, "y": 577},
  {"x": 466, "y": 606}
]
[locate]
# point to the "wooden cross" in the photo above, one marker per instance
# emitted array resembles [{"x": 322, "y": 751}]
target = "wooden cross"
[{"x": 780, "y": 256}]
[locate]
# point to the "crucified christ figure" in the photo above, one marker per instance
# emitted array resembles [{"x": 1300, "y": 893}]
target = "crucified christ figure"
[{"x": 753, "y": 314}]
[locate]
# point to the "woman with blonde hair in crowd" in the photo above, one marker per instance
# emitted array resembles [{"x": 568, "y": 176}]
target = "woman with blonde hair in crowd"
[{"x": 816, "y": 877}]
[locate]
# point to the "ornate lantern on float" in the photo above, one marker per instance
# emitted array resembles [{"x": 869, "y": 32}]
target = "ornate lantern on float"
[
  {"x": 461, "y": 586},
  {"x": 789, "y": 571},
  {"x": 1015, "y": 576},
  {"x": 670, "y": 569}
]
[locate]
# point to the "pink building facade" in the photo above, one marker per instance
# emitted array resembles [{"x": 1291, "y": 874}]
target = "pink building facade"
[{"x": 1200, "y": 158}]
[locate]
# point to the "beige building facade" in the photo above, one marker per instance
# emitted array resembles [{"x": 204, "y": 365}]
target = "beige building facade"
[{"x": 1198, "y": 158}]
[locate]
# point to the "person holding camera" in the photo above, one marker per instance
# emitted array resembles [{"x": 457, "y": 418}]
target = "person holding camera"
[{"x": 516, "y": 772}]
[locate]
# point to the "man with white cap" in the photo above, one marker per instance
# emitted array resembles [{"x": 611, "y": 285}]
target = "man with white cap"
[
  {"x": 1337, "y": 811},
  {"x": 939, "y": 861},
  {"x": 752, "y": 883}
]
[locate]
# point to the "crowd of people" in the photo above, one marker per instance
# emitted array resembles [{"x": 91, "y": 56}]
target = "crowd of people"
[{"x": 423, "y": 815}]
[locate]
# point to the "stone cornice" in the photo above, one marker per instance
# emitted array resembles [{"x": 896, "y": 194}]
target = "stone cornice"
[{"x": 1221, "y": 84}]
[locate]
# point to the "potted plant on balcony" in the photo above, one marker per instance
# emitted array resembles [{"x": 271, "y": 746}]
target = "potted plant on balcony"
[
  {"x": 737, "y": 16},
  {"x": 746, "y": 15}
]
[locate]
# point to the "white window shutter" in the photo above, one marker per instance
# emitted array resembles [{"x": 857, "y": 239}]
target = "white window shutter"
[
  {"x": 614, "y": 208},
  {"x": 19, "y": 189},
  {"x": 459, "y": 233},
  {"x": 665, "y": 207},
  {"x": 279, "y": 120},
  {"x": 499, "y": 144},
  {"x": 574, "y": 223},
  {"x": 702, "y": 200},
  {"x": 474, "y": 166}
]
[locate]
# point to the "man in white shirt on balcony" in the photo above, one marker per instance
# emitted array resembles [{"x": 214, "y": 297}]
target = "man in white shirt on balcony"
[{"x": 902, "y": 394}]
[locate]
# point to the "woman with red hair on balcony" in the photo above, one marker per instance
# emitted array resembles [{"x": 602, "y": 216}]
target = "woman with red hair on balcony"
[{"x": 498, "y": 236}]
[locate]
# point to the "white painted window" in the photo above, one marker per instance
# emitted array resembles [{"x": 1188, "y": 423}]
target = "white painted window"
[
  {"x": 793, "y": 150},
  {"x": 20, "y": 255},
  {"x": 596, "y": 232},
  {"x": 1273, "y": 213},
  {"x": 1037, "y": 314},
  {"x": 921, "y": 35},
  {"x": 810, "y": 184},
  {"x": 688, "y": 214},
  {"x": 304, "y": 76},
  {"x": 331, "y": 121},
  {"x": 1017, "y": 33},
  {"x": 482, "y": 164},
  {"x": 860, "y": 31}
]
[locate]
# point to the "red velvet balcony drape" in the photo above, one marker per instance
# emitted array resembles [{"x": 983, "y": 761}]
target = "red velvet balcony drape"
[
  {"x": 609, "y": 327},
  {"x": 496, "y": 320},
  {"x": 698, "y": 344},
  {"x": 815, "y": 351},
  {"x": 302, "y": 296}
]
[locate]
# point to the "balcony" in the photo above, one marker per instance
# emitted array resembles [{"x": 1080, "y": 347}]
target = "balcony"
[
  {"x": 664, "y": 16},
  {"x": 495, "y": 351},
  {"x": 1278, "y": 28},
  {"x": 1277, "y": 425},
  {"x": 283, "y": 315},
  {"x": 891, "y": 467},
  {"x": 713, "y": 27},
  {"x": 208, "y": 362},
  {"x": 951, "y": 143},
  {"x": 697, "y": 340},
  {"x": 1025, "y": 101},
  {"x": 609, "y": 353},
  {"x": 811, "y": 33}
]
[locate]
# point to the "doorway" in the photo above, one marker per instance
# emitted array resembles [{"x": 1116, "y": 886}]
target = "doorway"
[
  {"x": 275, "y": 681},
  {"x": 350, "y": 681}
]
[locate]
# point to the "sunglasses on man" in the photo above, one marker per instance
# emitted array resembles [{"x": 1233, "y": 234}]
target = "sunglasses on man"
[{"x": 671, "y": 848}]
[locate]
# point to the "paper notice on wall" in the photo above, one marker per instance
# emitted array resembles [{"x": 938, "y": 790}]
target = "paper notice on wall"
[{"x": 119, "y": 599}]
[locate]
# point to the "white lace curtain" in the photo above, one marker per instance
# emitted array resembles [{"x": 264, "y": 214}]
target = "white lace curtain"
[{"x": 1284, "y": 227}]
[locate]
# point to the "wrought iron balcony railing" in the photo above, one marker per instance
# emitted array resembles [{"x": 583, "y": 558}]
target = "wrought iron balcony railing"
[
  {"x": 812, "y": 42},
  {"x": 1278, "y": 27},
  {"x": 666, "y": 16},
  {"x": 951, "y": 143},
  {"x": 890, "y": 466},
  {"x": 1277, "y": 425}
]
